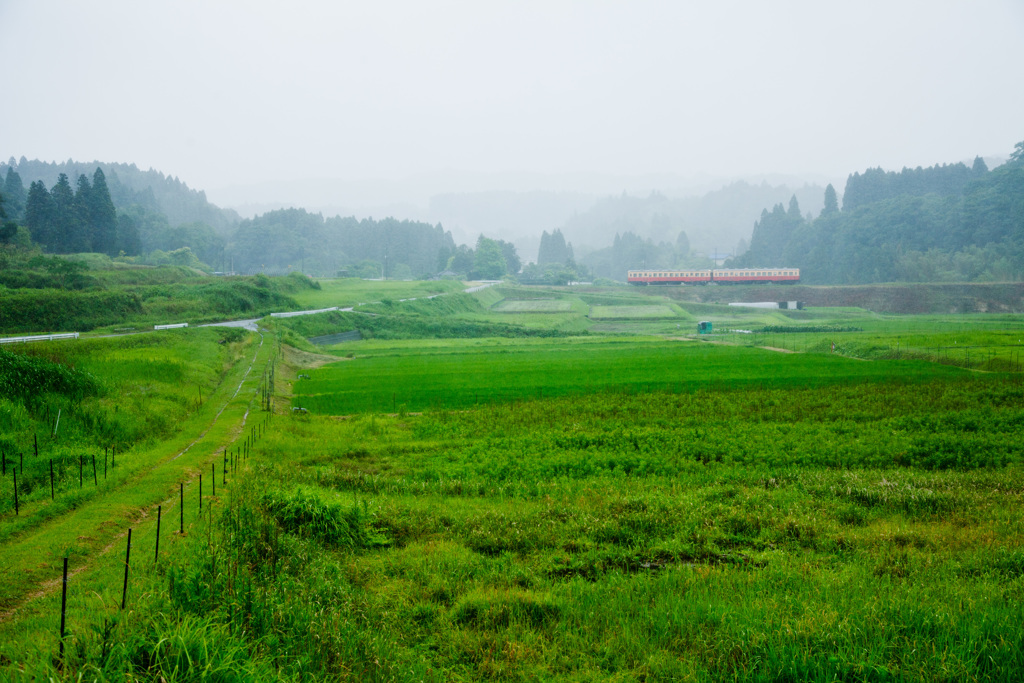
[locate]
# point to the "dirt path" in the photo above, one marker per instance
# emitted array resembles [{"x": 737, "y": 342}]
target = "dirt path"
[{"x": 49, "y": 586}]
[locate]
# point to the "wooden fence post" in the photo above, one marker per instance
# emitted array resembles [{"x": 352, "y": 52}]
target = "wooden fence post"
[
  {"x": 127, "y": 560},
  {"x": 156, "y": 555},
  {"x": 63, "y": 610}
]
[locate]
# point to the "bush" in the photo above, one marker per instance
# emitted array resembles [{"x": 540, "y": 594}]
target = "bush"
[{"x": 25, "y": 377}]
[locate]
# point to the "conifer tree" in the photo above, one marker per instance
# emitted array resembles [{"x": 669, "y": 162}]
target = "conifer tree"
[
  {"x": 80, "y": 227},
  {"x": 542, "y": 252},
  {"x": 40, "y": 214},
  {"x": 128, "y": 235},
  {"x": 831, "y": 201},
  {"x": 102, "y": 216},
  {"x": 553, "y": 249},
  {"x": 65, "y": 227},
  {"x": 794, "y": 208},
  {"x": 14, "y": 192}
]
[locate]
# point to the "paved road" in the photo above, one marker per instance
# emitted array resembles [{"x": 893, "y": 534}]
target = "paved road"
[{"x": 250, "y": 324}]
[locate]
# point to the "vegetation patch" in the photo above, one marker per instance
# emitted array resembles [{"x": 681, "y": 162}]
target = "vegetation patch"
[
  {"x": 808, "y": 329},
  {"x": 631, "y": 312},
  {"x": 305, "y": 512},
  {"x": 533, "y": 306},
  {"x": 55, "y": 310}
]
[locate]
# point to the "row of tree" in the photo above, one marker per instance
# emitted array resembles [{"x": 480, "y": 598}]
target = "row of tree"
[
  {"x": 163, "y": 221},
  {"x": 294, "y": 239},
  {"x": 949, "y": 222},
  {"x": 65, "y": 221},
  {"x": 554, "y": 249},
  {"x": 151, "y": 190}
]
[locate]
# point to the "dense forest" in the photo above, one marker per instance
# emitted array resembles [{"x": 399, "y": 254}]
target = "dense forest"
[
  {"x": 294, "y": 239},
  {"x": 149, "y": 218},
  {"x": 157, "y": 219},
  {"x": 943, "y": 223},
  {"x": 953, "y": 222},
  {"x": 151, "y": 190}
]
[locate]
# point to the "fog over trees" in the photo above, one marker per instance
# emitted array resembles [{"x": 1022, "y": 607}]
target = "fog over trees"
[
  {"x": 953, "y": 221},
  {"x": 949, "y": 222}
]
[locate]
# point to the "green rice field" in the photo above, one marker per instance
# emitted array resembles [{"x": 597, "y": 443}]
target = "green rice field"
[
  {"x": 533, "y": 306},
  {"x": 385, "y": 377}
]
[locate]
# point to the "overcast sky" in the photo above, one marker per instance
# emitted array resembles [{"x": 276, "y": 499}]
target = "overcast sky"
[{"x": 229, "y": 93}]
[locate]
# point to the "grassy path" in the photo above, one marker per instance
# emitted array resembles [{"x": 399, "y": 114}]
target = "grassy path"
[{"x": 86, "y": 534}]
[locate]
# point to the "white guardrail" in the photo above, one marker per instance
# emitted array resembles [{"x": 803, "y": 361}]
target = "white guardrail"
[
  {"x": 173, "y": 326},
  {"x": 38, "y": 337}
]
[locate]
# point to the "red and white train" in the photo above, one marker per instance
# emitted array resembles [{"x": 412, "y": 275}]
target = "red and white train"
[{"x": 722, "y": 276}]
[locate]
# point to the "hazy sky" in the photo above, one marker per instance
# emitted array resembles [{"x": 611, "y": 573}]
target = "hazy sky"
[{"x": 226, "y": 93}]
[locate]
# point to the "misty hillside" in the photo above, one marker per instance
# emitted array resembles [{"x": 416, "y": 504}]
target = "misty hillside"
[
  {"x": 130, "y": 186},
  {"x": 944, "y": 223},
  {"x": 296, "y": 240},
  {"x": 950, "y": 222},
  {"x": 517, "y": 216},
  {"x": 717, "y": 220}
]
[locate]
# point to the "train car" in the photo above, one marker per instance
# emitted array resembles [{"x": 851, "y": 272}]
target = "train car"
[
  {"x": 668, "y": 277},
  {"x": 756, "y": 275}
]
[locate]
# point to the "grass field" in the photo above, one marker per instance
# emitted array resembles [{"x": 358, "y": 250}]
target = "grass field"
[
  {"x": 383, "y": 378},
  {"x": 631, "y": 312},
  {"x": 591, "y": 508},
  {"x": 344, "y": 292},
  {"x": 763, "y": 534}
]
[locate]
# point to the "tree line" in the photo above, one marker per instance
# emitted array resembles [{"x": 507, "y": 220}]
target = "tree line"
[
  {"x": 63, "y": 220},
  {"x": 146, "y": 217},
  {"x": 944, "y": 223}
]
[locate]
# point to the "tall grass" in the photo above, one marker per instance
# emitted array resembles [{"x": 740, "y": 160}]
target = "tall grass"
[{"x": 478, "y": 544}]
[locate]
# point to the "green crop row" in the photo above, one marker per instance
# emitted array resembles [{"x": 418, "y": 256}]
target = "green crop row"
[{"x": 500, "y": 373}]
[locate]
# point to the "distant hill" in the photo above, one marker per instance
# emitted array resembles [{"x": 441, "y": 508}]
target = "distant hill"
[
  {"x": 715, "y": 221},
  {"x": 946, "y": 223},
  {"x": 281, "y": 241},
  {"x": 130, "y": 186}
]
